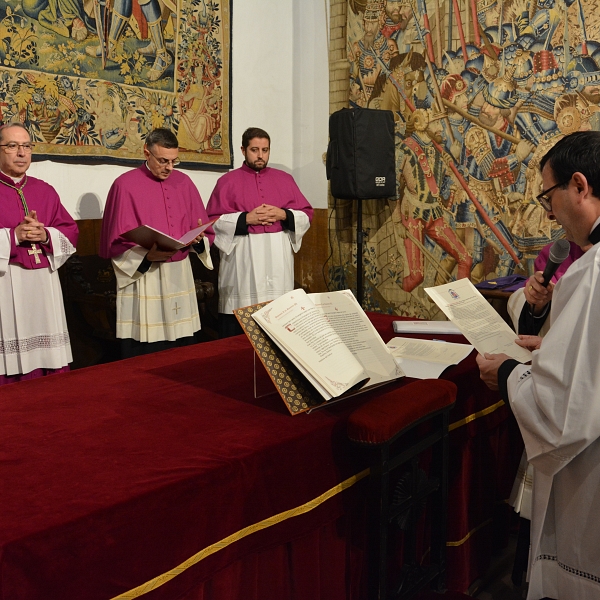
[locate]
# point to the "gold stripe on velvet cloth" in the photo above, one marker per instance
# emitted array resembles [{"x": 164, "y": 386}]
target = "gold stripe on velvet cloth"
[
  {"x": 477, "y": 415},
  {"x": 238, "y": 535}
]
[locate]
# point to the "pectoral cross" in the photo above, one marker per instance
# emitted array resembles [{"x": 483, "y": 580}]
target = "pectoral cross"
[
  {"x": 176, "y": 309},
  {"x": 35, "y": 252}
]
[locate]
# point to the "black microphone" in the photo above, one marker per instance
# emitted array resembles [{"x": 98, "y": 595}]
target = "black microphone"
[{"x": 558, "y": 252}]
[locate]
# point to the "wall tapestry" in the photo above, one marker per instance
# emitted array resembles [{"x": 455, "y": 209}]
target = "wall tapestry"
[
  {"x": 90, "y": 78},
  {"x": 480, "y": 90}
]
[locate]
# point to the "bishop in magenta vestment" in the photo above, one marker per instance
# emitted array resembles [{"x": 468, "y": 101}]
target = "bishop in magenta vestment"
[{"x": 33, "y": 330}]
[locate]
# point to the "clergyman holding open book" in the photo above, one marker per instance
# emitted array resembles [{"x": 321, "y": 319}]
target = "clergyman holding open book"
[{"x": 157, "y": 306}]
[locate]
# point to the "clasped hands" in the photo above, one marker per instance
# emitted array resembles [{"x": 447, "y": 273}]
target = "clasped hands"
[
  {"x": 156, "y": 255},
  {"x": 31, "y": 230},
  {"x": 265, "y": 214},
  {"x": 490, "y": 363}
]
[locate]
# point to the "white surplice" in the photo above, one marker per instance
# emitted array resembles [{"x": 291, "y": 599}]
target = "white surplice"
[
  {"x": 256, "y": 267},
  {"x": 556, "y": 402},
  {"x": 522, "y": 490},
  {"x": 33, "y": 327},
  {"x": 515, "y": 305},
  {"x": 521, "y": 494},
  {"x": 160, "y": 304}
]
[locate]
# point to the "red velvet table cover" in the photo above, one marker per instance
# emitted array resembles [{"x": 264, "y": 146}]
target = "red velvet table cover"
[
  {"x": 485, "y": 450},
  {"x": 116, "y": 474}
]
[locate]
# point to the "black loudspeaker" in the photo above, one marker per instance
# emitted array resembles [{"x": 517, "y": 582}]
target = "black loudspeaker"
[{"x": 360, "y": 156}]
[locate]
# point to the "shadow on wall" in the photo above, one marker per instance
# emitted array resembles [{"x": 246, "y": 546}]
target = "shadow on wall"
[{"x": 89, "y": 206}]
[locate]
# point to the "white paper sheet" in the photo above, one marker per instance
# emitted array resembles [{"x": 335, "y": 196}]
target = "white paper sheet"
[{"x": 462, "y": 303}]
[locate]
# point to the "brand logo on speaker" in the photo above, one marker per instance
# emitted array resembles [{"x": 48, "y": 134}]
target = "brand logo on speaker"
[{"x": 379, "y": 181}]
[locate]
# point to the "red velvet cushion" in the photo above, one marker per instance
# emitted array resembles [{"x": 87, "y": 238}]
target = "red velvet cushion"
[{"x": 382, "y": 418}]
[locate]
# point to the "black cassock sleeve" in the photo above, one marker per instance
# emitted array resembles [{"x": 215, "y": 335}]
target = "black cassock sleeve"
[
  {"x": 530, "y": 324},
  {"x": 506, "y": 368},
  {"x": 241, "y": 227}
]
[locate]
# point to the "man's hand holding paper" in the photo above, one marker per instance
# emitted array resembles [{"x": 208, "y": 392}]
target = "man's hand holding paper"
[
  {"x": 531, "y": 342},
  {"x": 488, "y": 367}
]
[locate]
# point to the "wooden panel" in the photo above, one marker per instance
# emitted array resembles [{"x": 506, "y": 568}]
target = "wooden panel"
[
  {"x": 89, "y": 236},
  {"x": 308, "y": 271},
  {"x": 308, "y": 267}
]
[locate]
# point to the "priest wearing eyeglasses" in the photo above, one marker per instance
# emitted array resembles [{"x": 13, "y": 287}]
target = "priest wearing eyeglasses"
[
  {"x": 37, "y": 236},
  {"x": 555, "y": 400},
  {"x": 157, "y": 306}
]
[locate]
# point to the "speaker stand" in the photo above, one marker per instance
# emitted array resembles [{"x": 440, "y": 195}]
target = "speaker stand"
[{"x": 360, "y": 235}]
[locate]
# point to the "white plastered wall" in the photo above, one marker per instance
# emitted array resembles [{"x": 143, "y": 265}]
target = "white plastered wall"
[{"x": 280, "y": 82}]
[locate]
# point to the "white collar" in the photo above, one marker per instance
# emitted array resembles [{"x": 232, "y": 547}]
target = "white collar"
[{"x": 15, "y": 179}]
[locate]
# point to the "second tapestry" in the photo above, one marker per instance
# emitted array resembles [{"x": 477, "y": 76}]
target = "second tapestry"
[{"x": 480, "y": 91}]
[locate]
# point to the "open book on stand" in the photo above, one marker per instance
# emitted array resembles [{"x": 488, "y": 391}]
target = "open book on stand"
[
  {"x": 317, "y": 348},
  {"x": 147, "y": 236}
]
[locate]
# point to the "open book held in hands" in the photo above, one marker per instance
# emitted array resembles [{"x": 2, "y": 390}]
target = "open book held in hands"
[
  {"x": 147, "y": 236},
  {"x": 317, "y": 347}
]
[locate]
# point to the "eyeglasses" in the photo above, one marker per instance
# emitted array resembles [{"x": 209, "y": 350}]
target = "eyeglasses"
[
  {"x": 545, "y": 200},
  {"x": 163, "y": 162},
  {"x": 13, "y": 147}
]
